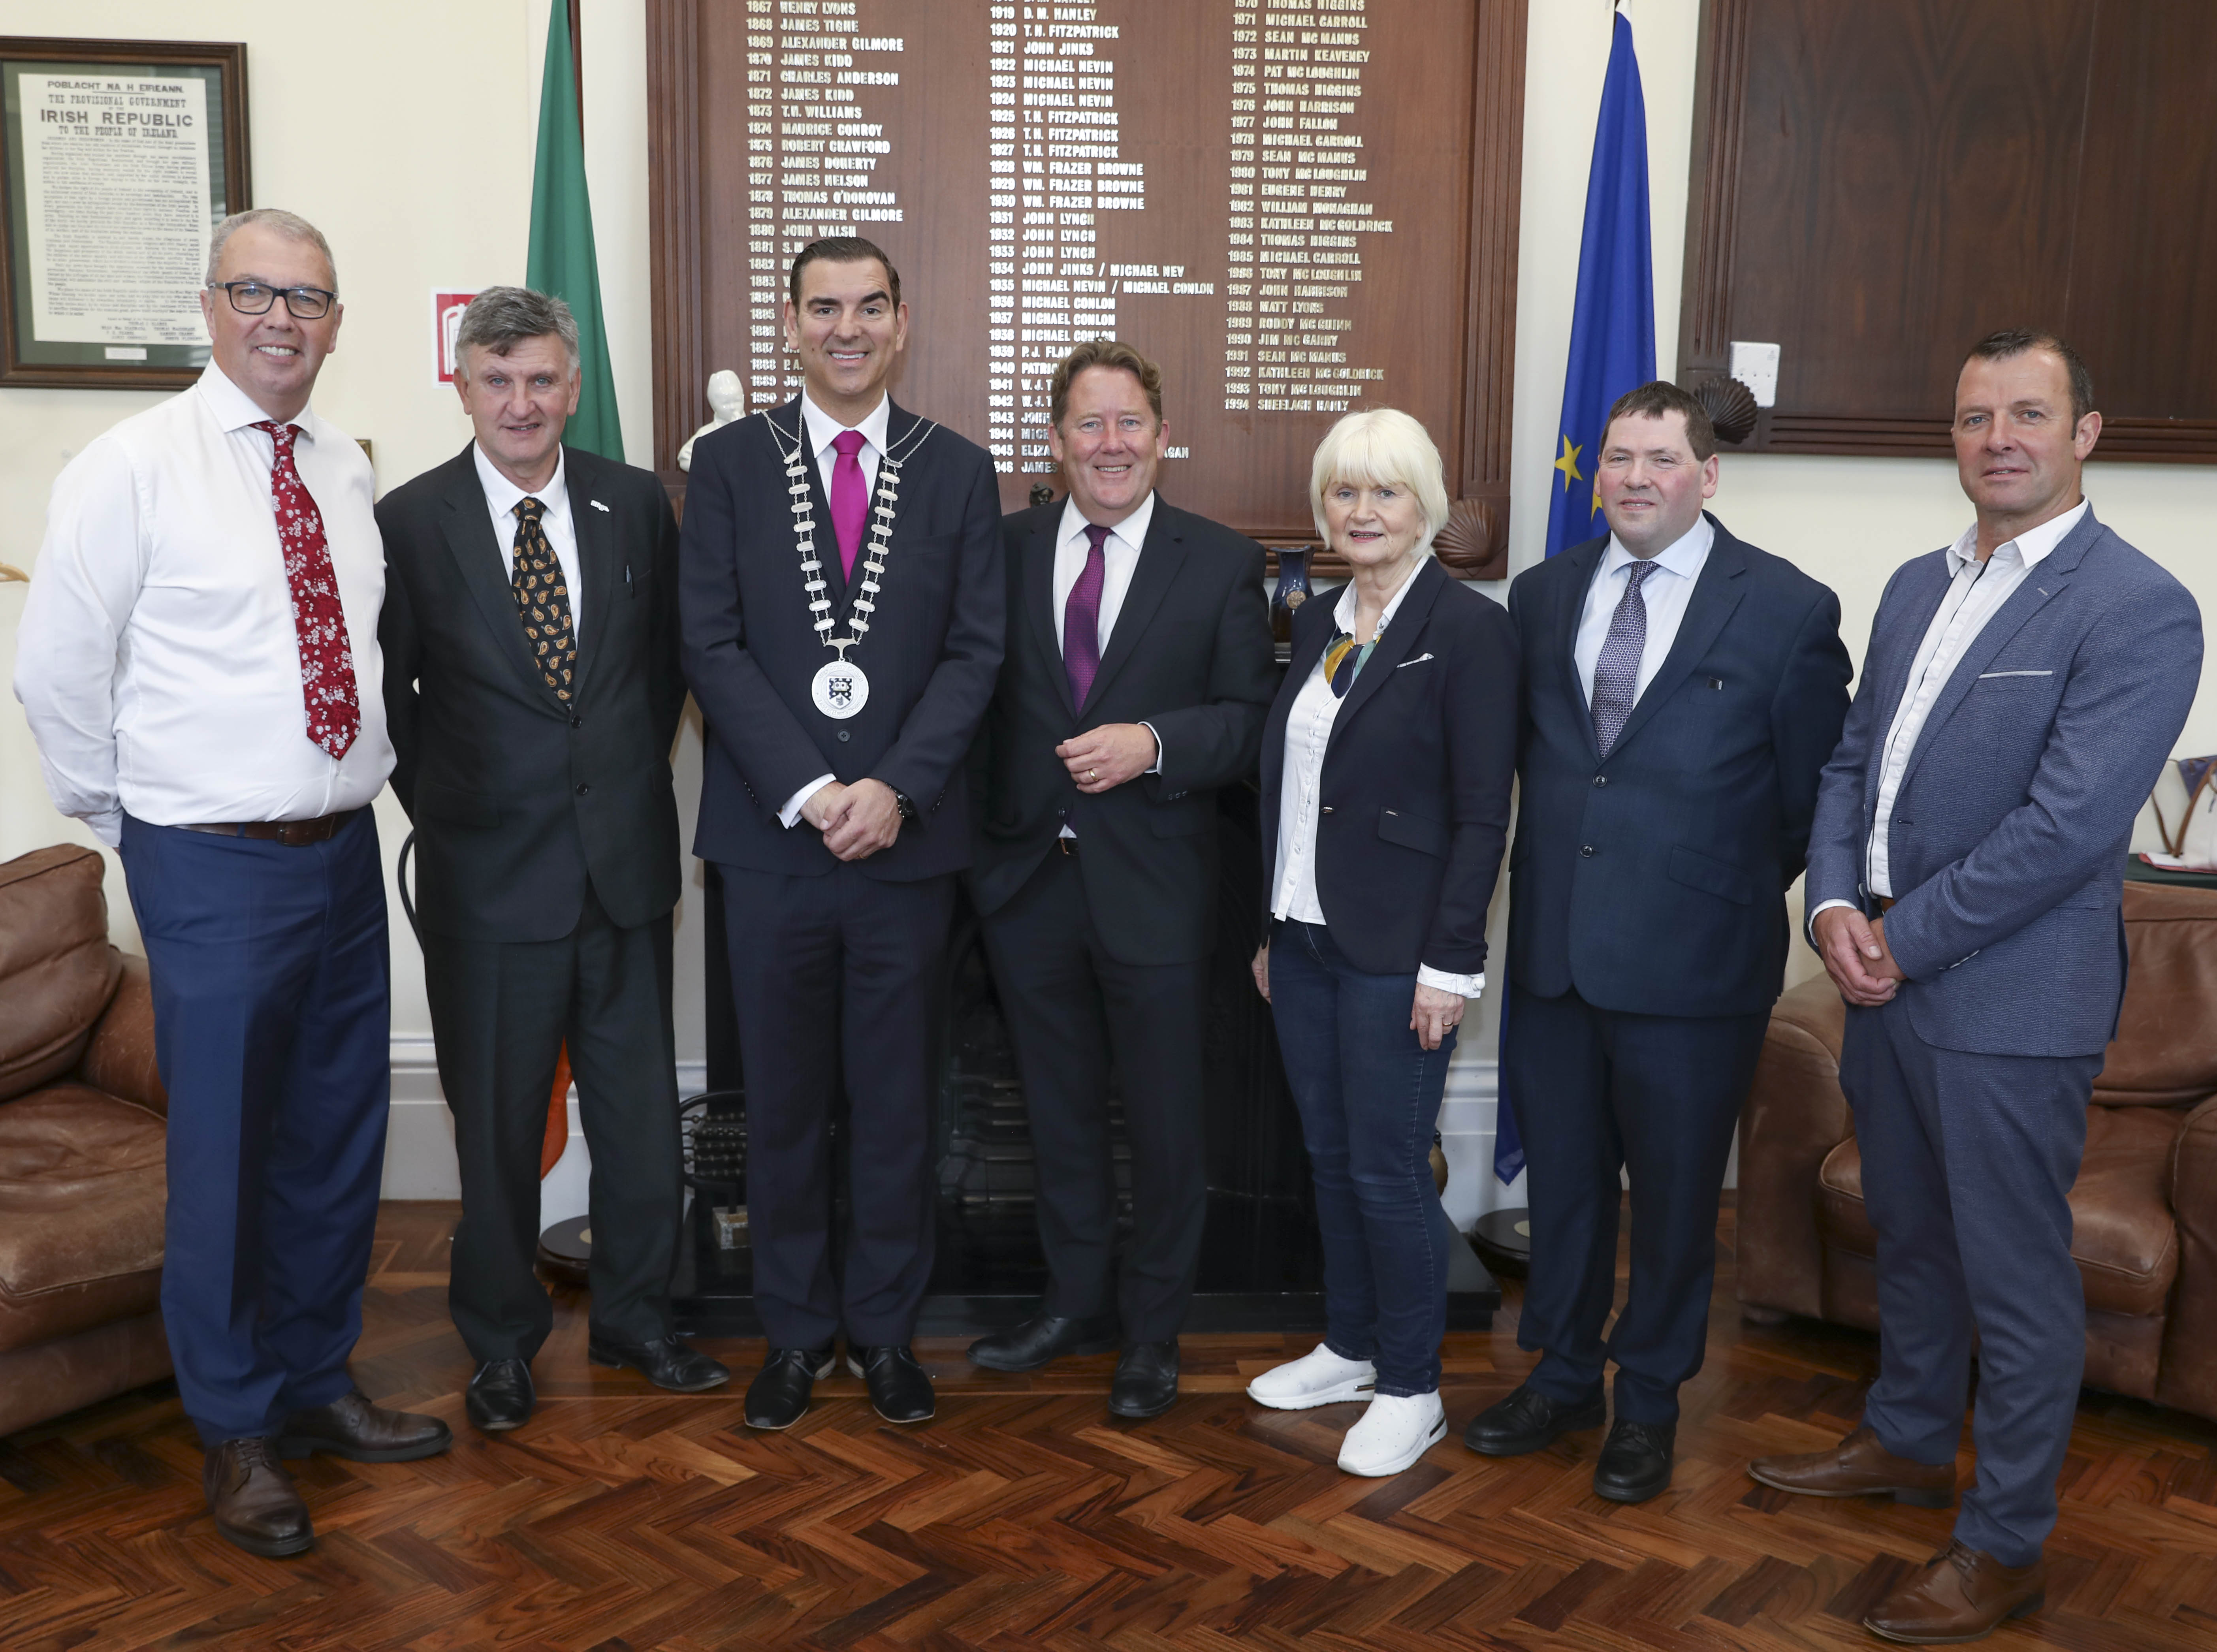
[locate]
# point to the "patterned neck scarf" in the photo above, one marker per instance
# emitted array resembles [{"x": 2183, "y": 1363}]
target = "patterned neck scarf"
[{"x": 1343, "y": 659}]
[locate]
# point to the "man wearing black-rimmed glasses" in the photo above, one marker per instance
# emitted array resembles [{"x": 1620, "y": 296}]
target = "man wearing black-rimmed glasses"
[{"x": 199, "y": 661}]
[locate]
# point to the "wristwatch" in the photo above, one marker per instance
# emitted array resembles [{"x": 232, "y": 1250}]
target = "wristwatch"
[{"x": 905, "y": 804}]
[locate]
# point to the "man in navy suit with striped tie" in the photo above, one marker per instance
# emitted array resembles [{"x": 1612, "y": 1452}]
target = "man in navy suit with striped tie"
[{"x": 1681, "y": 691}]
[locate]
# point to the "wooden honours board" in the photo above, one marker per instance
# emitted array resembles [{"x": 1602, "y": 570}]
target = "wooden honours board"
[{"x": 1296, "y": 209}]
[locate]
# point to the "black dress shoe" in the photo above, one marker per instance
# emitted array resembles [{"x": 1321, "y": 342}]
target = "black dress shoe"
[
  {"x": 1145, "y": 1384},
  {"x": 778, "y": 1396},
  {"x": 352, "y": 1427},
  {"x": 667, "y": 1362},
  {"x": 1043, "y": 1338},
  {"x": 899, "y": 1387},
  {"x": 1635, "y": 1461},
  {"x": 500, "y": 1397},
  {"x": 1527, "y": 1420}
]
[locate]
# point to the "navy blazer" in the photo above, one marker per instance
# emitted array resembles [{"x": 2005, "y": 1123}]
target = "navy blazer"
[
  {"x": 2007, "y": 845},
  {"x": 1417, "y": 779},
  {"x": 1654, "y": 881},
  {"x": 518, "y": 799},
  {"x": 750, "y": 651},
  {"x": 1190, "y": 656}
]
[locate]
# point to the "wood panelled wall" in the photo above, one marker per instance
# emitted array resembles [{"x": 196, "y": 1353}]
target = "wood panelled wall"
[
  {"x": 1441, "y": 112},
  {"x": 1878, "y": 184}
]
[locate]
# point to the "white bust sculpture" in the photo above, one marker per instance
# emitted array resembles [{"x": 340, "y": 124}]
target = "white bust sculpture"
[{"x": 727, "y": 396}]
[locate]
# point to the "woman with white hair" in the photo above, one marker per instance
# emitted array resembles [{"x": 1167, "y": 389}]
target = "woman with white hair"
[{"x": 1386, "y": 766}]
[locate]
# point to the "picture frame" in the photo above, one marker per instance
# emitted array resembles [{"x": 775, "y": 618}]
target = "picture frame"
[{"x": 93, "y": 296}]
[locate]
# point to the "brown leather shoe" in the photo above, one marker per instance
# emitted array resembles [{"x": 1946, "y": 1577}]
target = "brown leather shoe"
[
  {"x": 254, "y": 1501},
  {"x": 1859, "y": 1467},
  {"x": 1965, "y": 1594},
  {"x": 352, "y": 1427}
]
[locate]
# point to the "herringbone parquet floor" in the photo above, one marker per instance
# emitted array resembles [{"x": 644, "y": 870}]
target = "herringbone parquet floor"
[{"x": 623, "y": 1519}]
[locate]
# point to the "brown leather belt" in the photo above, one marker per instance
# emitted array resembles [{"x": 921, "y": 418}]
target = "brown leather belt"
[
  {"x": 1884, "y": 902},
  {"x": 293, "y": 834}
]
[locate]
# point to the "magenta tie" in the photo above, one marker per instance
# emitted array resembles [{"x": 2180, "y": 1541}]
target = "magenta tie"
[
  {"x": 1081, "y": 618},
  {"x": 850, "y": 500}
]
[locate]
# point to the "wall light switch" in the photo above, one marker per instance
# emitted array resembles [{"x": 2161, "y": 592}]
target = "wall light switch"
[{"x": 1756, "y": 365}]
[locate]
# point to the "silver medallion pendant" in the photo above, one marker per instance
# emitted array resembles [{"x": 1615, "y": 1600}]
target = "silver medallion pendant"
[{"x": 839, "y": 689}]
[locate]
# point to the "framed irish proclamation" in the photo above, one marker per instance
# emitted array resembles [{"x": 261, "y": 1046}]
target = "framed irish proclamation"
[
  {"x": 1296, "y": 209},
  {"x": 117, "y": 160}
]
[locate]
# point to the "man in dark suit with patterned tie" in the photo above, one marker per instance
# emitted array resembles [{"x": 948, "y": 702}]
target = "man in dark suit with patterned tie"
[
  {"x": 841, "y": 618},
  {"x": 1139, "y": 674},
  {"x": 1683, "y": 691},
  {"x": 533, "y": 693}
]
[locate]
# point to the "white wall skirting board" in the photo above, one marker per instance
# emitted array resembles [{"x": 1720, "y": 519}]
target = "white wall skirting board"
[
  {"x": 419, "y": 1139},
  {"x": 419, "y": 1143}
]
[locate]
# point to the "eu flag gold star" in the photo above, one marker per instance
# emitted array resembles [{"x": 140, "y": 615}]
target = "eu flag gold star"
[{"x": 1568, "y": 464}]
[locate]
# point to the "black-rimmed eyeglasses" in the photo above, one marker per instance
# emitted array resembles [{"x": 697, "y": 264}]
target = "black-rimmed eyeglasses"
[{"x": 255, "y": 298}]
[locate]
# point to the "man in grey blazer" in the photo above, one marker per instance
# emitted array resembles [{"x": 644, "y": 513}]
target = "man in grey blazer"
[{"x": 2021, "y": 691}]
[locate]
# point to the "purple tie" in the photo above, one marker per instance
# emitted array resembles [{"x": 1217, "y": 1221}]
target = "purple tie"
[
  {"x": 1616, "y": 672},
  {"x": 1081, "y": 618},
  {"x": 850, "y": 500}
]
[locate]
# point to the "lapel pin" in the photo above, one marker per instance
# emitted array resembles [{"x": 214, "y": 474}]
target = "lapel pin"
[{"x": 596, "y": 504}]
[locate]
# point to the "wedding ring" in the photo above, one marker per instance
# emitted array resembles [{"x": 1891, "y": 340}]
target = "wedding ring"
[{"x": 1092, "y": 774}]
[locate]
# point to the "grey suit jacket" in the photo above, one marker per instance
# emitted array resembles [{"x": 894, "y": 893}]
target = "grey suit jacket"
[{"x": 2007, "y": 836}]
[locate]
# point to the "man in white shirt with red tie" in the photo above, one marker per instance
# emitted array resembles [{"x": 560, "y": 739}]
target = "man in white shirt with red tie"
[{"x": 199, "y": 663}]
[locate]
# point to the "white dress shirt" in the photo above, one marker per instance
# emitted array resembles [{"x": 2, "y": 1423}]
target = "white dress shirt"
[
  {"x": 157, "y": 660},
  {"x": 1664, "y": 593},
  {"x": 1976, "y": 592},
  {"x": 1120, "y": 560},
  {"x": 503, "y": 495},
  {"x": 823, "y": 430},
  {"x": 1300, "y": 790}
]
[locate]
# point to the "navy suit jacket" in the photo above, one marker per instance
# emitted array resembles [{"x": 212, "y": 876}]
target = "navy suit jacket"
[
  {"x": 1417, "y": 779},
  {"x": 1190, "y": 656},
  {"x": 2006, "y": 848},
  {"x": 518, "y": 798},
  {"x": 1654, "y": 881},
  {"x": 750, "y": 651}
]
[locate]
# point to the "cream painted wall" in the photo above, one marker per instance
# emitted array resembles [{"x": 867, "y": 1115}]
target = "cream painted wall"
[{"x": 405, "y": 130}]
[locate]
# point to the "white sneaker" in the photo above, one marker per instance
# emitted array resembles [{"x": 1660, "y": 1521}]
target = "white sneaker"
[
  {"x": 1394, "y": 1434},
  {"x": 1318, "y": 1377}
]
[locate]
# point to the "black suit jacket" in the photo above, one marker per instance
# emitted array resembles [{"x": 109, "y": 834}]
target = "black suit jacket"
[
  {"x": 750, "y": 651},
  {"x": 1190, "y": 655},
  {"x": 1417, "y": 779},
  {"x": 517, "y": 799},
  {"x": 1654, "y": 882}
]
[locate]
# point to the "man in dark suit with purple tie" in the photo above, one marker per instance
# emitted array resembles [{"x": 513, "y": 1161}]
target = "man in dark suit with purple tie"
[{"x": 1140, "y": 671}]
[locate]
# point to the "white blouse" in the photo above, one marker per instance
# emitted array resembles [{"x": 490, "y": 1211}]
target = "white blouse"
[{"x": 1308, "y": 734}]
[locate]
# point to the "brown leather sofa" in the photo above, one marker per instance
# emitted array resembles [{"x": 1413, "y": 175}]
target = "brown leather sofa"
[
  {"x": 83, "y": 1118},
  {"x": 2144, "y": 1210}
]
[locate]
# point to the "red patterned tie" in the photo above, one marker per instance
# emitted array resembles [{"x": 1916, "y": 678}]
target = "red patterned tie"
[{"x": 326, "y": 656}]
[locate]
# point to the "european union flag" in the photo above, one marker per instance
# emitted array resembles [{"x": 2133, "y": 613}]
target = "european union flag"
[
  {"x": 1613, "y": 324},
  {"x": 1612, "y": 350}
]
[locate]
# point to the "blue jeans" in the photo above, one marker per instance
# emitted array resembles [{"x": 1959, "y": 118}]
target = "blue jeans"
[{"x": 1368, "y": 1096}]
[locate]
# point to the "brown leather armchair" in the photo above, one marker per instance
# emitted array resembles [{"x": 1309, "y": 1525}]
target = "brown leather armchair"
[
  {"x": 2144, "y": 1210},
  {"x": 83, "y": 1118}
]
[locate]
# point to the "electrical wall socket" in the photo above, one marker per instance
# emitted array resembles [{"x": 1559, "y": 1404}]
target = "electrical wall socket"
[{"x": 1756, "y": 365}]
